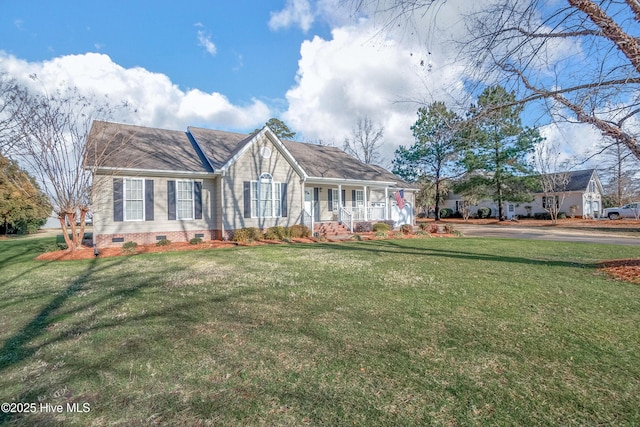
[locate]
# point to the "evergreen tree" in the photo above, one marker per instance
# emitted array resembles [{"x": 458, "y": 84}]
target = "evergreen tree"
[
  {"x": 280, "y": 128},
  {"x": 499, "y": 149},
  {"x": 431, "y": 159}
]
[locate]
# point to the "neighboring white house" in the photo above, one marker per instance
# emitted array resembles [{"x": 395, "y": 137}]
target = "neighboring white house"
[
  {"x": 151, "y": 184},
  {"x": 583, "y": 192}
]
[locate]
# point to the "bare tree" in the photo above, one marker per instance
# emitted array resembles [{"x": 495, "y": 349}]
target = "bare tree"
[
  {"x": 11, "y": 104},
  {"x": 581, "y": 57},
  {"x": 53, "y": 133},
  {"x": 620, "y": 176},
  {"x": 365, "y": 141},
  {"x": 552, "y": 179}
]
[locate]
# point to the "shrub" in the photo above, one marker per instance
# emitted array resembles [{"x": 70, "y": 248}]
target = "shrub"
[
  {"x": 542, "y": 215},
  {"x": 357, "y": 237},
  {"x": 484, "y": 212},
  {"x": 163, "y": 242},
  {"x": 195, "y": 241},
  {"x": 424, "y": 226},
  {"x": 240, "y": 235},
  {"x": 562, "y": 215},
  {"x": 382, "y": 234},
  {"x": 299, "y": 231},
  {"x": 381, "y": 226},
  {"x": 129, "y": 247},
  {"x": 406, "y": 229},
  {"x": 423, "y": 215},
  {"x": 277, "y": 233},
  {"x": 449, "y": 229},
  {"x": 363, "y": 227},
  {"x": 446, "y": 212}
]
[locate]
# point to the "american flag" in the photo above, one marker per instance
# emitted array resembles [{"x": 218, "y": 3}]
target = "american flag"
[{"x": 400, "y": 199}]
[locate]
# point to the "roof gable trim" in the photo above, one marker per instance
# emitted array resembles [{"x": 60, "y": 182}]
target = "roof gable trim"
[{"x": 268, "y": 133}]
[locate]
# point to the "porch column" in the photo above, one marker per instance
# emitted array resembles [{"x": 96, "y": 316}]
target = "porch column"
[
  {"x": 340, "y": 202},
  {"x": 366, "y": 205},
  {"x": 386, "y": 203}
]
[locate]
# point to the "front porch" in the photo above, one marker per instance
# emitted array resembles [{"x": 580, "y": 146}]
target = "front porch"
[{"x": 350, "y": 204}]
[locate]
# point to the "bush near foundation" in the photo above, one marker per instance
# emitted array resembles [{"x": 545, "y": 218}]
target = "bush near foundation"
[{"x": 299, "y": 231}]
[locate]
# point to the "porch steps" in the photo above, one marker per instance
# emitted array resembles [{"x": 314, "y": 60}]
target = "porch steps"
[{"x": 331, "y": 229}]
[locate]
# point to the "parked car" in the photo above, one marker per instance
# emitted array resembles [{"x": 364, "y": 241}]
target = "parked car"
[{"x": 632, "y": 210}]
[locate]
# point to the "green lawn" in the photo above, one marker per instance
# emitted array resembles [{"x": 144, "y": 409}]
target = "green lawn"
[{"x": 398, "y": 332}]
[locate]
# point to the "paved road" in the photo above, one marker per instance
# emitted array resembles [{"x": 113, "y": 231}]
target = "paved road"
[{"x": 548, "y": 233}]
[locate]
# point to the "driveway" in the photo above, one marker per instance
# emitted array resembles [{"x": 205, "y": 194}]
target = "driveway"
[{"x": 548, "y": 233}]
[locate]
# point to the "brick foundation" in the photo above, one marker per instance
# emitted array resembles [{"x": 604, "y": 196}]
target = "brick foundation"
[{"x": 109, "y": 240}]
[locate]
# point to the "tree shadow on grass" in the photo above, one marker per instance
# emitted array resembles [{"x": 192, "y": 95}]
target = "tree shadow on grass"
[
  {"x": 393, "y": 247},
  {"x": 56, "y": 323}
]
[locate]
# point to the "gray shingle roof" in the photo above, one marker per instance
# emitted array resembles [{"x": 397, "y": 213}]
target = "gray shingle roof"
[
  {"x": 124, "y": 146},
  {"x": 578, "y": 180},
  {"x": 121, "y": 146},
  {"x": 219, "y": 146},
  {"x": 321, "y": 161}
]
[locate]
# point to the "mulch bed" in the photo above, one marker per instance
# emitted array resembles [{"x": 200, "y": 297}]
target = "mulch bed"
[
  {"x": 623, "y": 269},
  {"x": 86, "y": 252}
]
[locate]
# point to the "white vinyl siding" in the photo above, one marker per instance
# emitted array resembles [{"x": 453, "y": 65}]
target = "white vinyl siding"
[
  {"x": 133, "y": 199},
  {"x": 184, "y": 200}
]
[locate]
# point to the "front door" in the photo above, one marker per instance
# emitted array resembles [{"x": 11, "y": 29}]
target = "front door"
[
  {"x": 511, "y": 210},
  {"x": 308, "y": 201}
]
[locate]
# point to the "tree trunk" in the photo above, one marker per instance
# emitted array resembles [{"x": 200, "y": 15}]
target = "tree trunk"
[
  {"x": 65, "y": 231},
  {"x": 437, "y": 208}
]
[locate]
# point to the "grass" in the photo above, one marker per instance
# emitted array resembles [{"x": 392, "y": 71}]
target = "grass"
[{"x": 404, "y": 332}]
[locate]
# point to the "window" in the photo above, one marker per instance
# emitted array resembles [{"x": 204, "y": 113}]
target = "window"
[
  {"x": 266, "y": 197},
  {"x": 592, "y": 186},
  {"x": 133, "y": 199},
  {"x": 359, "y": 197},
  {"x": 333, "y": 206},
  {"x": 547, "y": 202},
  {"x": 184, "y": 199}
]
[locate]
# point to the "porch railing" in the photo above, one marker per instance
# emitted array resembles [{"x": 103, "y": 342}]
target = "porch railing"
[
  {"x": 307, "y": 219},
  {"x": 346, "y": 218},
  {"x": 376, "y": 213}
]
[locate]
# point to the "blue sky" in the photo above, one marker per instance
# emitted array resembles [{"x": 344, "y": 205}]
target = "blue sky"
[
  {"x": 233, "y": 65},
  {"x": 169, "y": 37}
]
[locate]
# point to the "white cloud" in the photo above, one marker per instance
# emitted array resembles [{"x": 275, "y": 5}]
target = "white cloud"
[
  {"x": 204, "y": 40},
  {"x": 576, "y": 142},
  {"x": 359, "y": 73},
  {"x": 158, "y": 102},
  {"x": 295, "y": 12}
]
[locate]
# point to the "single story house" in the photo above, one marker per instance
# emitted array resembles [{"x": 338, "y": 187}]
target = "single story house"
[
  {"x": 150, "y": 184},
  {"x": 582, "y": 191}
]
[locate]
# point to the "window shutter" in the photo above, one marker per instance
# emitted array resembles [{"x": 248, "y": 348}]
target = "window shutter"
[
  {"x": 283, "y": 200},
  {"x": 197, "y": 200},
  {"x": 344, "y": 198},
  {"x": 148, "y": 200},
  {"x": 118, "y": 211},
  {"x": 247, "y": 199},
  {"x": 171, "y": 200},
  {"x": 353, "y": 198},
  {"x": 330, "y": 198}
]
